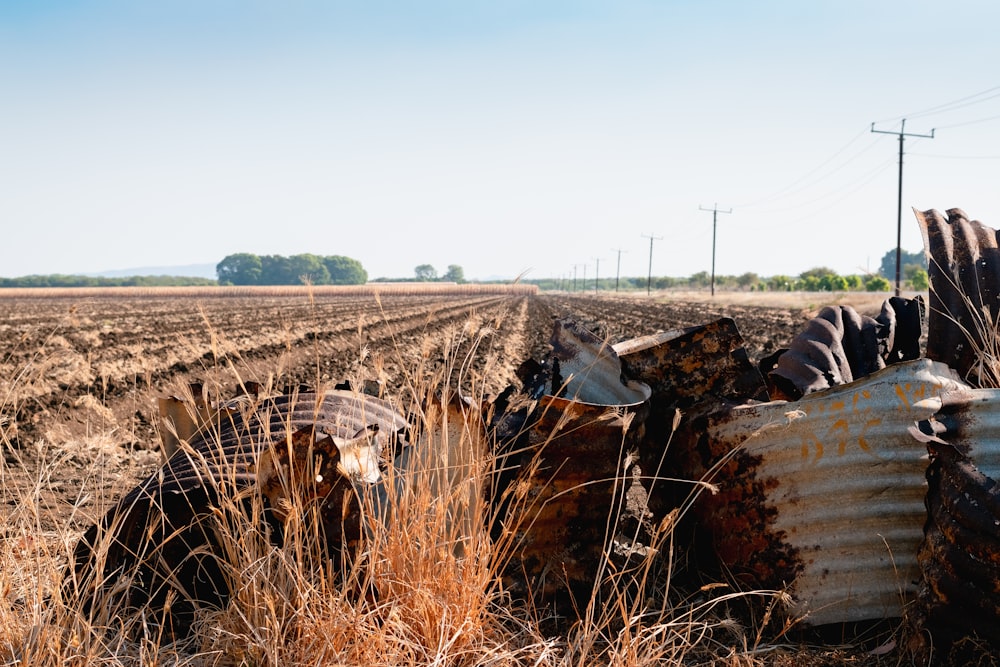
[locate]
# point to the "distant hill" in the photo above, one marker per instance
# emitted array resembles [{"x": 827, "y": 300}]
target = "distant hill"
[{"x": 186, "y": 270}]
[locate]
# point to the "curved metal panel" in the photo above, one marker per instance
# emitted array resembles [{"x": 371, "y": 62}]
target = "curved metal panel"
[
  {"x": 964, "y": 271},
  {"x": 825, "y": 495}
]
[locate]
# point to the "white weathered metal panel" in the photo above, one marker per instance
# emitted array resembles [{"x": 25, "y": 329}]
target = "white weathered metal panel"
[{"x": 845, "y": 488}]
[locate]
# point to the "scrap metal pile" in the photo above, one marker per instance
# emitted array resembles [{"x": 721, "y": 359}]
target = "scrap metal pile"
[{"x": 855, "y": 470}]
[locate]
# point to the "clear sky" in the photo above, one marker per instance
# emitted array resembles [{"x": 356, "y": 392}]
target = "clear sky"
[{"x": 506, "y": 137}]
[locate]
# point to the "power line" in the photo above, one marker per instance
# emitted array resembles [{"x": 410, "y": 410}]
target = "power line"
[
  {"x": 793, "y": 186},
  {"x": 899, "y": 210},
  {"x": 968, "y": 122},
  {"x": 958, "y": 104},
  {"x": 849, "y": 187},
  {"x": 715, "y": 213},
  {"x": 949, "y": 106},
  {"x": 957, "y": 157}
]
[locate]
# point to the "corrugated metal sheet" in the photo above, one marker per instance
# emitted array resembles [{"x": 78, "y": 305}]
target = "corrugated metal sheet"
[
  {"x": 964, "y": 272},
  {"x": 824, "y": 495},
  {"x": 960, "y": 555}
]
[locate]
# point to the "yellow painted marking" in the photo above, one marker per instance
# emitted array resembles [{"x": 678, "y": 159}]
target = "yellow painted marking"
[
  {"x": 901, "y": 393},
  {"x": 841, "y": 425}
]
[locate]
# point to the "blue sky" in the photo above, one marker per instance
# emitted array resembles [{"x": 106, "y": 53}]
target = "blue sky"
[{"x": 506, "y": 137}]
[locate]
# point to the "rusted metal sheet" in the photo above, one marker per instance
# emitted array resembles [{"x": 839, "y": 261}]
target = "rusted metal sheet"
[
  {"x": 159, "y": 541},
  {"x": 586, "y": 368},
  {"x": 960, "y": 555},
  {"x": 185, "y": 417},
  {"x": 567, "y": 467},
  {"x": 823, "y": 496},
  {"x": 840, "y": 345},
  {"x": 694, "y": 365},
  {"x": 964, "y": 272}
]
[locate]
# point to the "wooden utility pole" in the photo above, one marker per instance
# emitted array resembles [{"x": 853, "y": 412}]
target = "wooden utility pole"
[
  {"x": 715, "y": 213},
  {"x": 649, "y": 276},
  {"x": 597, "y": 273},
  {"x": 899, "y": 205},
  {"x": 618, "y": 271}
]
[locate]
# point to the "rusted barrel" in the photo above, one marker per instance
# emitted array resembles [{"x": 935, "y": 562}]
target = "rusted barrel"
[{"x": 565, "y": 470}]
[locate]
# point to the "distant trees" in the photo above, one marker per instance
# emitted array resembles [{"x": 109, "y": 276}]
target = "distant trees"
[
  {"x": 817, "y": 279},
  {"x": 239, "y": 269},
  {"x": 454, "y": 274},
  {"x": 878, "y": 284},
  {"x": 888, "y": 267},
  {"x": 345, "y": 271},
  {"x": 63, "y": 280},
  {"x": 427, "y": 273},
  {"x": 249, "y": 269}
]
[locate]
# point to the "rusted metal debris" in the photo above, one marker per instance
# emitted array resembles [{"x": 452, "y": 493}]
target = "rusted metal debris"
[
  {"x": 570, "y": 449},
  {"x": 694, "y": 365},
  {"x": 158, "y": 549},
  {"x": 819, "y": 455},
  {"x": 960, "y": 555},
  {"x": 821, "y": 497},
  {"x": 840, "y": 345},
  {"x": 964, "y": 272}
]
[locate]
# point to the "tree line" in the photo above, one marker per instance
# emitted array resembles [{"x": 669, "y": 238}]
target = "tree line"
[
  {"x": 65, "y": 280},
  {"x": 818, "y": 279},
  {"x": 248, "y": 269}
]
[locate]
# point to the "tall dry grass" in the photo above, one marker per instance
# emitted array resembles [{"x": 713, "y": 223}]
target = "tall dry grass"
[{"x": 424, "y": 588}]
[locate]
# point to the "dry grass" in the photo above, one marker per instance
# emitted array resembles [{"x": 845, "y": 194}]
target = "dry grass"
[{"x": 423, "y": 589}]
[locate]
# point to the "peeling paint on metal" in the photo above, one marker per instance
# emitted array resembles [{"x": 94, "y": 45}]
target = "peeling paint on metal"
[{"x": 825, "y": 495}]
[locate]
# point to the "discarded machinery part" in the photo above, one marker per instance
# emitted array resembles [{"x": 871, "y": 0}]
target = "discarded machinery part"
[
  {"x": 964, "y": 272},
  {"x": 824, "y": 495},
  {"x": 688, "y": 366},
  {"x": 960, "y": 554},
  {"x": 562, "y": 474},
  {"x": 184, "y": 417},
  {"x": 158, "y": 547},
  {"x": 577, "y": 354},
  {"x": 840, "y": 345}
]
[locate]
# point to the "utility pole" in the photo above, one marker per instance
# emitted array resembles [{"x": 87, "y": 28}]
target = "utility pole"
[
  {"x": 715, "y": 213},
  {"x": 618, "y": 272},
  {"x": 899, "y": 206},
  {"x": 649, "y": 276},
  {"x": 597, "y": 274},
  {"x": 574, "y": 278}
]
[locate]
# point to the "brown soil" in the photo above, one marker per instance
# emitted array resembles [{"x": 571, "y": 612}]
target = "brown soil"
[{"x": 80, "y": 377}]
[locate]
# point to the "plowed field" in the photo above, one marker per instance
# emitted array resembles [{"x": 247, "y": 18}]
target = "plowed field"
[{"x": 80, "y": 376}]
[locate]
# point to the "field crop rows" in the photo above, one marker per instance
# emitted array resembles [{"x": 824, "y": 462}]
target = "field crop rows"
[
  {"x": 72, "y": 368},
  {"x": 80, "y": 376}
]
